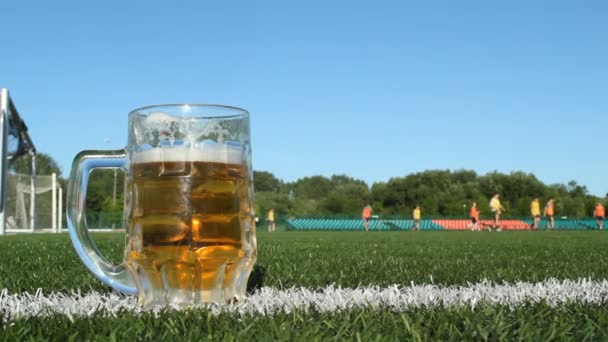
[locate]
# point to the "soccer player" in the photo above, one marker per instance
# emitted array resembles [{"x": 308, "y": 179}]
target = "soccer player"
[
  {"x": 535, "y": 212},
  {"x": 366, "y": 215},
  {"x": 497, "y": 209},
  {"x": 599, "y": 214},
  {"x": 474, "y": 215},
  {"x": 416, "y": 214},
  {"x": 550, "y": 214},
  {"x": 271, "y": 224}
]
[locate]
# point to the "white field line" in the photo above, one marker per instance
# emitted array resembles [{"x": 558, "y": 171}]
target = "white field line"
[{"x": 269, "y": 301}]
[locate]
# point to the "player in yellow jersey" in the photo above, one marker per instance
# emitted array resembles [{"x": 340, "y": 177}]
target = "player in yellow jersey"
[
  {"x": 497, "y": 209},
  {"x": 535, "y": 212},
  {"x": 416, "y": 215},
  {"x": 271, "y": 224}
]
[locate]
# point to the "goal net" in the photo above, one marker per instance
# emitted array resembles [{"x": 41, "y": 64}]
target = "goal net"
[{"x": 27, "y": 213}]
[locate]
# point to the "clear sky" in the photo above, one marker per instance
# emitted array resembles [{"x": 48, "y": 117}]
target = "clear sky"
[{"x": 371, "y": 89}]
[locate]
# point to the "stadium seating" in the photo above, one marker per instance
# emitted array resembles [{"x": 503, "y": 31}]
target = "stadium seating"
[
  {"x": 567, "y": 224},
  {"x": 428, "y": 224},
  {"x": 588, "y": 224},
  {"x": 332, "y": 224},
  {"x": 461, "y": 224},
  {"x": 357, "y": 224},
  {"x": 452, "y": 224}
]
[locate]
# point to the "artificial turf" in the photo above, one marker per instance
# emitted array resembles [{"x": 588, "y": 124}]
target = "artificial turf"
[{"x": 347, "y": 259}]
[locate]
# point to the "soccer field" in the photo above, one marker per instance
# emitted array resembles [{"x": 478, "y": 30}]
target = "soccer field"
[{"x": 333, "y": 285}]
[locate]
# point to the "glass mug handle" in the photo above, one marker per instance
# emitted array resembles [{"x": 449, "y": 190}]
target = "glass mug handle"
[{"x": 116, "y": 276}]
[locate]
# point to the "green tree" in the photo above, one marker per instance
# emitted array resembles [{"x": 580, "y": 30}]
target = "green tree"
[
  {"x": 315, "y": 187},
  {"x": 347, "y": 198},
  {"x": 338, "y": 195},
  {"x": 264, "y": 181},
  {"x": 447, "y": 193},
  {"x": 103, "y": 210},
  {"x": 45, "y": 165}
]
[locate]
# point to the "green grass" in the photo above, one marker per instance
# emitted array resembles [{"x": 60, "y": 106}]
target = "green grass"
[
  {"x": 385, "y": 258},
  {"x": 536, "y": 322},
  {"x": 348, "y": 259}
]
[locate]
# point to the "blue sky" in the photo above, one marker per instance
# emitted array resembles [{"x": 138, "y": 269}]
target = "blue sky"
[{"x": 372, "y": 89}]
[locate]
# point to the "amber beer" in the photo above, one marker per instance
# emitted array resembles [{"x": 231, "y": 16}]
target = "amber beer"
[{"x": 189, "y": 225}]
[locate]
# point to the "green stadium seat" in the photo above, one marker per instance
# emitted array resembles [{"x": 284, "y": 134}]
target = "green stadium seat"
[{"x": 407, "y": 224}]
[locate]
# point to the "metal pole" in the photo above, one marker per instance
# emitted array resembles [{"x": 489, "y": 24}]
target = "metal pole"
[
  {"x": 114, "y": 193},
  {"x": 54, "y": 202},
  {"x": 60, "y": 220},
  {"x": 3, "y": 153},
  {"x": 33, "y": 193},
  {"x": 17, "y": 197}
]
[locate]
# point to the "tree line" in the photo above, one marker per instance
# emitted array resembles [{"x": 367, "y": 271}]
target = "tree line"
[{"x": 440, "y": 193}]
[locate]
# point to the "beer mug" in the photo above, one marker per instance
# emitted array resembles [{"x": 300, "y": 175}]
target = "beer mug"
[{"x": 188, "y": 208}]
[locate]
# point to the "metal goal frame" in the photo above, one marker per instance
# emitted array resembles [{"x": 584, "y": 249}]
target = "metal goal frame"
[{"x": 11, "y": 124}]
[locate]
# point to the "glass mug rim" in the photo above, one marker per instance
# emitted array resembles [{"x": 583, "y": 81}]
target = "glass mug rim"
[{"x": 189, "y": 110}]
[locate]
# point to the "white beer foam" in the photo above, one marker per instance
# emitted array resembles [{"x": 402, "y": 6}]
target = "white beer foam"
[
  {"x": 160, "y": 118},
  {"x": 210, "y": 153}
]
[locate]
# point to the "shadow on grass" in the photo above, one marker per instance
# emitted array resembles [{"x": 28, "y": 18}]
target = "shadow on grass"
[{"x": 256, "y": 279}]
